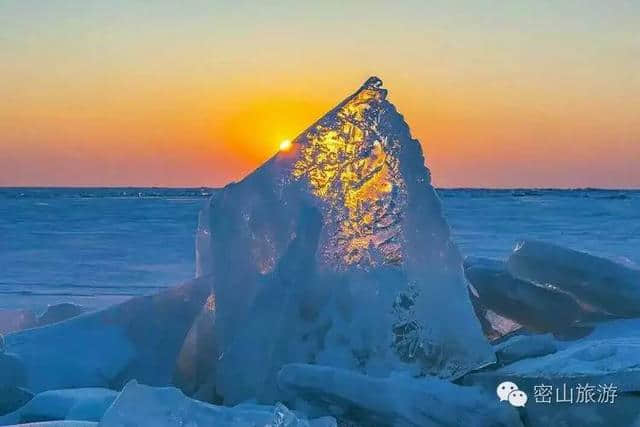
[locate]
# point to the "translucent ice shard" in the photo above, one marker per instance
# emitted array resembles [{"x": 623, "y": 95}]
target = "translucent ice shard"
[{"x": 335, "y": 252}]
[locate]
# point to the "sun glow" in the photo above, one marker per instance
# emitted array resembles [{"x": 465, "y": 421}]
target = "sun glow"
[{"x": 285, "y": 145}]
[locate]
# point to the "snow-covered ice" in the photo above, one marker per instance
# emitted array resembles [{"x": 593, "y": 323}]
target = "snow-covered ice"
[
  {"x": 597, "y": 363},
  {"x": 611, "y": 361},
  {"x": 397, "y": 400}
]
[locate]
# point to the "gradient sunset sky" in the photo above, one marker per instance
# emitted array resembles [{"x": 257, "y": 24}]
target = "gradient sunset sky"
[{"x": 153, "y": 93}]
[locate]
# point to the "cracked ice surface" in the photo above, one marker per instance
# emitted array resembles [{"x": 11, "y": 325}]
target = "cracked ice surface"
[
  {"x": 352, "y": 166},
  {"x": 335, "y": 252}
]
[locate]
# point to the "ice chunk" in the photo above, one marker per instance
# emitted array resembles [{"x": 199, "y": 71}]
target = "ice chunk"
[
  {"x": 140, "y": 338},
  {"x": 81, "y": 404},
  {"x": 167, "y": 407},
  {"x": 335, "y": 251},
  {"x": 524, "y": 302},
  {"x": 599, "y": 282},
  {"x": 364, "y": 400},
  {"x": 283, "y": 417},
  {"x": 59, "y": 312}
]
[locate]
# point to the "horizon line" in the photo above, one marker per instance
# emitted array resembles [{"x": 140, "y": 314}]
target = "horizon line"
[{"x": 65, "y": 187}]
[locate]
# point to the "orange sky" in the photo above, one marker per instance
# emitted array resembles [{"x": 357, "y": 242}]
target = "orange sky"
[{"x": 160, "y": 94}]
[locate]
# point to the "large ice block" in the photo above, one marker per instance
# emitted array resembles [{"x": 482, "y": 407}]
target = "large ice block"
[
  {"x": 599, "y": 282},
  {"x": 140, "y": 338},
  {"x": 520, "y": 300},
  {"x": 335, "y": 251}
]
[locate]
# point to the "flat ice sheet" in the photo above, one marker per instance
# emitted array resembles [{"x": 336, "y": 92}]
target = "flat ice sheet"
[{"x": 97, "y": 247}]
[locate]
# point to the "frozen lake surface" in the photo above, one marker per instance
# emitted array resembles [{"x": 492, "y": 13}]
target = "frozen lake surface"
[{"x": 101, "y": 246}]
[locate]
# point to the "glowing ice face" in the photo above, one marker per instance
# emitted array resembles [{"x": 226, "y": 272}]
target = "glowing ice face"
[
  {"x": 504, "y": 389},
  {"x": 518, "y": 398},
  {"x": 354, "y": 170}
]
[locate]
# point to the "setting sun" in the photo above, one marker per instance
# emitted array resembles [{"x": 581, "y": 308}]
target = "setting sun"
[{"x": 285, "y": 145}]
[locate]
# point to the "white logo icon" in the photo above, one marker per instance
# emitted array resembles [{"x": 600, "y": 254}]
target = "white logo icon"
[
  {"x": 518, "y": 398},
  {"x": 509, "y": 391}
]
